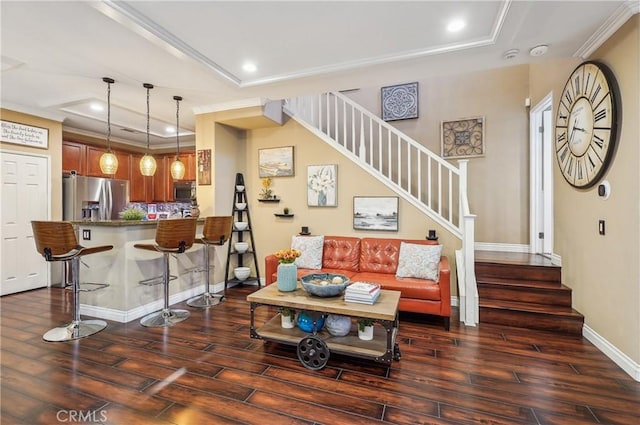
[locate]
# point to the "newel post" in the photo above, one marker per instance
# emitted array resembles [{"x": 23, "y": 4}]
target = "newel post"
[{"x": 469, "y": 313}]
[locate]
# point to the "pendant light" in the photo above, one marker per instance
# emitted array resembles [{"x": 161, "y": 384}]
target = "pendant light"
[
  {"x": 108, "y": 160},
  {"x": 147, "y": 162},
  {"x": 177, "y": 167}
]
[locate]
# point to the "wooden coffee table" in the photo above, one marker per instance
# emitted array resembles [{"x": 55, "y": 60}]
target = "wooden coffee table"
[{"x": 383, "y": 348}]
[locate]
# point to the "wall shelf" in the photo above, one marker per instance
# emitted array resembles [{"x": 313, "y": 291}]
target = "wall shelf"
[
  {"x": 283, "y": 215},
  {"x": 269, "y": 200}
]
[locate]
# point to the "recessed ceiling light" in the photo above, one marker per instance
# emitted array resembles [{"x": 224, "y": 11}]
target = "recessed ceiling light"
[
  {"x": 170, "y": 129},
  {"x": 456, "y": 25},
  {"x": 96, "y": 107},
  {"x": 249, "y": 67}
]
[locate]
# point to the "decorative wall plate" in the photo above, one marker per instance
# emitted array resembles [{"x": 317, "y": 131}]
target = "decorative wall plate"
[
  {"x": 463, "y": 138},
  {"x": 400, "y": 102}
]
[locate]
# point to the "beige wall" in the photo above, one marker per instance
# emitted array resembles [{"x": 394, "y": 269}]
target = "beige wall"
[
  {"x": 273, "y": 233},
  {"x": 54, "y": 152},
  {"x": 498, "y": 189},
  {"x": 603, "y": 271}
]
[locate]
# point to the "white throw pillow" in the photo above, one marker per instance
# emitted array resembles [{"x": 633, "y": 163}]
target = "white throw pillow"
[
  {"x": 421, "y": 261},
  {"x": 311, "y": 249}
]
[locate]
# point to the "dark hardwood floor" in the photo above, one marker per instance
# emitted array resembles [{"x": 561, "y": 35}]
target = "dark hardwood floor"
[{"x": 206, "y": 370}]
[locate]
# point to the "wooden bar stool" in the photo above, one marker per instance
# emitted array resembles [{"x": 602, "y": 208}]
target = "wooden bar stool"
[
  {"x": 172, "y": 237},
  {"x": 216, "y": 231},
  {"x": 56, "y": 241}
]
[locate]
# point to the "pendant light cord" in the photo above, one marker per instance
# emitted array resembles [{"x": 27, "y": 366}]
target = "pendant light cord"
[
  {"x": 108, "y": 117},
  {"x": 148, "y": 119},
  {"x": 177, "y": 99}
]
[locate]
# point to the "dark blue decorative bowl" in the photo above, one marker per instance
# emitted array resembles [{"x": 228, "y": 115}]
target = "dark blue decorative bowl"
[
  {"x": 305, "y": 322},
  {"x": 322, "y": 284}
]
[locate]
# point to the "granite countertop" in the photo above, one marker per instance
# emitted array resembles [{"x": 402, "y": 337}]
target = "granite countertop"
[{"x": 122, "y": 223}]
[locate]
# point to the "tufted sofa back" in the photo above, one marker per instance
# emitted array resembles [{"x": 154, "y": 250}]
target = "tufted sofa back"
[
  {"x": 341, "y": 252},
  {"x": 379, "y": 255}
]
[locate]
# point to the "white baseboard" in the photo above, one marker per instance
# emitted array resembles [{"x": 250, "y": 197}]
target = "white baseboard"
[
  {"x": 503, "y": 247},
  {"x": 125, "y": 316},
  {"x": 609, "y": 350}
]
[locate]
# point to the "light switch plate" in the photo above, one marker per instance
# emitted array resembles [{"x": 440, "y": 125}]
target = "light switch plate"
[
  {"x": 601, "y": 227},
  {"x": 86, "y": 234}
]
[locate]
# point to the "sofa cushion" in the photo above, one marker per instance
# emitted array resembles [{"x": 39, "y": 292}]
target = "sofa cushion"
[
  {"x": 419, "y": 261},
  {"x": 409, "y": 287},
  {"x": 311, "y": 249},
  {"x": 341, "y": 253}
]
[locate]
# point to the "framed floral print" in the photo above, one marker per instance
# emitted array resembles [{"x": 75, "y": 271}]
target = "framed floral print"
[{"x": 322, "y": 184}]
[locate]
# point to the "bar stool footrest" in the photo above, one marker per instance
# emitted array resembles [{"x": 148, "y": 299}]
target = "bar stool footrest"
[{"x": 157, "y": 280}]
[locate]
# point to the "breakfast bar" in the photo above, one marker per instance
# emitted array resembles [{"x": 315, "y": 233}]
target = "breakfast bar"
[{"x": 133, "y": 276}]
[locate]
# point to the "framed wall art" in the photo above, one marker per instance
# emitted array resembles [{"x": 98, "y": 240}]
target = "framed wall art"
[
  {"x": 204, "y": 166},
  {"x": 322, "y": 185},
  {"x": 22, "y": 134},
  {"x": 275, "y": 162},
  {"x": 463, "y": 138},
  {"x": 375, "y": 213},
  {"x": 399, "y": 102}
]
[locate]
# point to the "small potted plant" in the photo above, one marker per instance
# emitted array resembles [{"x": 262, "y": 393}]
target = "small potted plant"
[
  {"x": 287, "y": 317},
  {"x": 365, "y": 329},
  {"x": 286, "y": 210}
]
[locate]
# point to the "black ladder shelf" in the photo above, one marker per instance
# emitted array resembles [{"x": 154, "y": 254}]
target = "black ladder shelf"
[{"x": 239, "y": 214}]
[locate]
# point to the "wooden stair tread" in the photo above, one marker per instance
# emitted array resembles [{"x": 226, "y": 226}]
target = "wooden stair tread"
[
  {"x": 525, "y": 283},
  {"x": 513, "y": 258},
  {"x": 530, "y": 307}
]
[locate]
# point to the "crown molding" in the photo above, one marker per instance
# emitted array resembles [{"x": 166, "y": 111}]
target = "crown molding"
[{"x": 608, "y": 28}]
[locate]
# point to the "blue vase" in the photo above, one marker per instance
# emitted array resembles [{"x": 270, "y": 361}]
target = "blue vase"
[
  {"x": 305, "y": 322},
  {"x": 287, "y": 277}
]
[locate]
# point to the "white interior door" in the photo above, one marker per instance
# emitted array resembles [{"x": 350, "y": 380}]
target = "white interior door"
[
  {"x": 541, "y": 166},
  {"x": 25, "y": 197}
]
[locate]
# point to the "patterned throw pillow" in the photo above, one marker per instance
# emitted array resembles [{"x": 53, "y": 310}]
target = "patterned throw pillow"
[
  {"x": 311, "y": 249},
  {"x": 419, "y": 261}
]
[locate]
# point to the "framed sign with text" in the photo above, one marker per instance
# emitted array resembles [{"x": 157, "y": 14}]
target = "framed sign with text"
[{"x": 26, "y": 135}]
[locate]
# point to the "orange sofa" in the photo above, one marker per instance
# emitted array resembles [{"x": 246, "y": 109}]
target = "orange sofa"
[{"x": 376, "y": 260}]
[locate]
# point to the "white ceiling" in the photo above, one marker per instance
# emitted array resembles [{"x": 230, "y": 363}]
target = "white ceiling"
[{"x": 54, "y": 54}]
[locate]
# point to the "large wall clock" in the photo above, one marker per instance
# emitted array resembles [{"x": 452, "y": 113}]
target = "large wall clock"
[{"x": 587, "y": 124}]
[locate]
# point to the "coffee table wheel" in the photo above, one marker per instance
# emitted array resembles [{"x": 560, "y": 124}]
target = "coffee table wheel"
[
  {"x": 396, "y": 352},
  {"x": 313, "y": 352}
]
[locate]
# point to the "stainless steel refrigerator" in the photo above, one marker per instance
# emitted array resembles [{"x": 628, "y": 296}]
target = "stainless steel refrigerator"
[{"x": 93, "y": 198}]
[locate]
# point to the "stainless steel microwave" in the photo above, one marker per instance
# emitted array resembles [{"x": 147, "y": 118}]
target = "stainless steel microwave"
[{"x": 184, "y": 191}]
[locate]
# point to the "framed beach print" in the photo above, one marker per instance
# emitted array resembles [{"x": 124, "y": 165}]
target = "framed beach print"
[
  {"x": 322, "y": 185},
  {"x": 375, "y": 213},
  {"x": 463, "y": 138},
  {"x": 275, "y": 162}
]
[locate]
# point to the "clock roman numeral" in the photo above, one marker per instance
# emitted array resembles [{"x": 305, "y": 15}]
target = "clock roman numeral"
[
  {"x": 598, "y": 141},
  {"x": 594, "y": 95},
  {"x": 568, "y": 97},
  {"x": 576, "y": 86},
  {"x": 601, "y": 114},
  {"x": 569, "y": 167}
]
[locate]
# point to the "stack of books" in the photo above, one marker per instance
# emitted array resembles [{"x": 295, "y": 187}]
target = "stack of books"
[{"x": 362, "y": 292}]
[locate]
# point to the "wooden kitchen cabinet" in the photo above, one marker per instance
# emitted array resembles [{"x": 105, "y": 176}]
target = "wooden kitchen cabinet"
[
  {"x": 74, "y": 157},
  {"x": 93, "y": 163},
  {"x": 140, "y": 187},
  {"x": 161, "y": 180}
]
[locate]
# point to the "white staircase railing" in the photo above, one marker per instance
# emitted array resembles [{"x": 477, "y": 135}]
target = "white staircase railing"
[{"x": 422, "y": 178}]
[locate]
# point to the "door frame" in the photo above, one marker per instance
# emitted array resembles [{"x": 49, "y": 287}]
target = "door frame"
[{"x": 541, "y": 177}]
